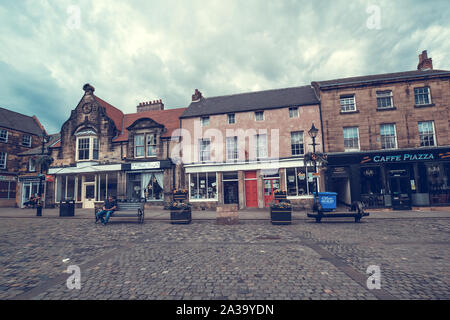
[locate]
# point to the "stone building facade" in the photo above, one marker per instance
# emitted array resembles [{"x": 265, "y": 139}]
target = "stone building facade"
[
  {"x": 18, "y": 133},
  {"x": 241, "y": 148},
  {"x": 387, "y": 136},
  {"x": 103, "y": 152}
]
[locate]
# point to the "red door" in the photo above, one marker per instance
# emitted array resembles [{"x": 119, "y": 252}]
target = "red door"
[
  {"x": 251, "y": 191},
  {"x": 270, "y": 185}
]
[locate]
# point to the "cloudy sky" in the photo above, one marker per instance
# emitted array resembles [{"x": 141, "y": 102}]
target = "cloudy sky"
[{"x": 133, "y": 51}]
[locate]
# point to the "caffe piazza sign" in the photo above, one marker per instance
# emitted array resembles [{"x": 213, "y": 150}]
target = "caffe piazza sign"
[{"x": 404, "y": 157}]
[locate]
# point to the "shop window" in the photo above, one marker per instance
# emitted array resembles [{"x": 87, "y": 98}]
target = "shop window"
[
  {"x": 351, "y": 138},
  {"x": 299, "y": 181},
  {"x": 3, "y": 135},
  {"x": 426, "y": 134},
  {"x": 149, "y": 186},
  {"x": 7, "y": 189},
  {"x": 371, "y": 181},
  {"x": 203, "y": 186},
  {"x": 438, "y": 174},
  {"x": 297, "y": 144},
  {"x": 388, "y": 136}
]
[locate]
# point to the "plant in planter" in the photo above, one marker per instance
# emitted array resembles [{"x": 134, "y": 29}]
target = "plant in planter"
[
  {"x": 280, "y": 194},
  {"x": 180, "y": 213},
  {"x": 281, "y": 213}
]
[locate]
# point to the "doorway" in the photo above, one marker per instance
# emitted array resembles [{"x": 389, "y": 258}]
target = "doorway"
[
  {"x": 251, "y": 190},
  {"x": 88, "y": 196},
  {"x": 400, "y": 187},
  {"x": 270, "y": 185},
  {"x": 29, "y": 189}
]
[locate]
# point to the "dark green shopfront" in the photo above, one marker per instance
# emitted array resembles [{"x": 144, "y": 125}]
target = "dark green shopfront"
[{"x": 398, "y": 179}]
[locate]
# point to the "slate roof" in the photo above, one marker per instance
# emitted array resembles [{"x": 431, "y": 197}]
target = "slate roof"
[
  {"x": 381, "y": 77},
  {"x": 18, "y": 121},
  {"x": 38, "y": 150},
  {"x": 252, "y": 101},
  {"x": 169, "y": 118}
]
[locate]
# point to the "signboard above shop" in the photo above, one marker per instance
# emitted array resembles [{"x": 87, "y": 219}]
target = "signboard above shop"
[{"x": 145, "y": 165}]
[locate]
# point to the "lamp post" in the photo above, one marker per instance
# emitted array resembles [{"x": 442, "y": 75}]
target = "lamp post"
[
  {"x": 313, "y": 134},
  {"x": 41, "y": 176}
]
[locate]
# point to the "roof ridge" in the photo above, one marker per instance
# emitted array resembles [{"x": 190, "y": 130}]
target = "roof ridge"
[{"x": 259, "y": 91}]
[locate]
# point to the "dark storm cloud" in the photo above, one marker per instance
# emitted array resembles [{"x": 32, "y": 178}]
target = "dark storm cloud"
[{"x": 144, "y": 50}]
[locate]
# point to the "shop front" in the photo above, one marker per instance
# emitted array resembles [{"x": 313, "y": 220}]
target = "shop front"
[
  {"x": 149, "y": 181},
  {"x": 397, "y": 178},
  {"x": 250, "y": 184},
  {"x": 8, "y": 184}
]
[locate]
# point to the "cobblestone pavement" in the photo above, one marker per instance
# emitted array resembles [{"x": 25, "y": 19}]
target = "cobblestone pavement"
[{"x": 252, "y": 260}]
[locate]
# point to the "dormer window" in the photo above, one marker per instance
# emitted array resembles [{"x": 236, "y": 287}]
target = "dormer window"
[
  {"x": 87, "y": 147},
  {"x": 151, "y": 145}
]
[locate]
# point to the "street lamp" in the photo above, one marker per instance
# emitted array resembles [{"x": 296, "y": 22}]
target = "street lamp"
[
  {"x": 313, "y": 134},
  {"x": 41, "y": 176}
]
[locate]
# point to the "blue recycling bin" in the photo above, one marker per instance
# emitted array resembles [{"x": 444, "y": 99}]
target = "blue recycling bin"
[{"x": 327, "y": 200}]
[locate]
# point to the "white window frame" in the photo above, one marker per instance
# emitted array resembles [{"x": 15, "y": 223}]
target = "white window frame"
[
  {"x": 205, "y": 121},
  {"x": 395, "y": 136},
  {"x": 302, "y": 143},
  {"x": 229, "y": 117},
  {"x": 257, "y": 146},
  {"x": 198, "y": 183},
  {"x": 4, "y": 137},
  {"x": 152, "y": 145},
  {"x": 384, "y": 95},
  {"x": 293, "y": 112},
  {"x": 235, "y": 145},
  {"x": 343, "y": 102},
  {"x": 357, "y": 136},
  {"x": 429, "y": 96},
  {"x": 91, "y": 148},
  {"x": 31, "y": 165},
  {"x": 428, "y": 133},
  {"x": 256, "y": 115},
  {"x": 26, "y": 140},
  {"x": 202, "y": 151},
  {"x": 3, "y": 159},
  {"x": 309, "y": 193},
  {"x": 139, "y": 146}
]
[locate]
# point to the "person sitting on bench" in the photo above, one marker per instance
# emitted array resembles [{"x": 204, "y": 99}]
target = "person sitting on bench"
[
  {"x": 30, "y": 203},
  {"x": 108, "y": 209}
]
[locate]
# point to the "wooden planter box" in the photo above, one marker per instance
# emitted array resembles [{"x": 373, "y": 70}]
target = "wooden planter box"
[
  {"x": 281, "y": 216},
  {"x": 180, "y": 216}
]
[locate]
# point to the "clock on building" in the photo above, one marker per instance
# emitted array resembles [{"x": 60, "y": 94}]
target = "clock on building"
[{"x": 87, "y": 108}]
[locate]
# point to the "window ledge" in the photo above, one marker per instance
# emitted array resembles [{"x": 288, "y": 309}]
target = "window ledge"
[
  {"x": 300, "y": 197},
  {"x": 203, "y": 200},
  {"x": 386, "y": 109},
  {"x": 424, "y": 105},
  {"x": 349, "y": 112}
]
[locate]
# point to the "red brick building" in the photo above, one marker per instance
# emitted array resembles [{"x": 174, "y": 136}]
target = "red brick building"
[
  {"x": 241, "y": 148},
  {"x": 387, "y": 137}
]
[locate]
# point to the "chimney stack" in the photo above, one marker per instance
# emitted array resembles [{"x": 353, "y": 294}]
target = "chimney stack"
[
  {"x": 425, "y": 63},
  {"x": 150, "y": 106},
  {"x": 197, "y": 96}
]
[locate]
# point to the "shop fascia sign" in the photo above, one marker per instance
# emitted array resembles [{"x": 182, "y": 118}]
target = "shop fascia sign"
[
  {"x": 145, "y": 165},
  {"x": 398, "y": 157}
]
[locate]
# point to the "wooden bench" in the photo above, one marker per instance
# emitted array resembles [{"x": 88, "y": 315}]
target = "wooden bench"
[
  {"x": 356, "y": 211},
  {"x": 125, "y": 210}
]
